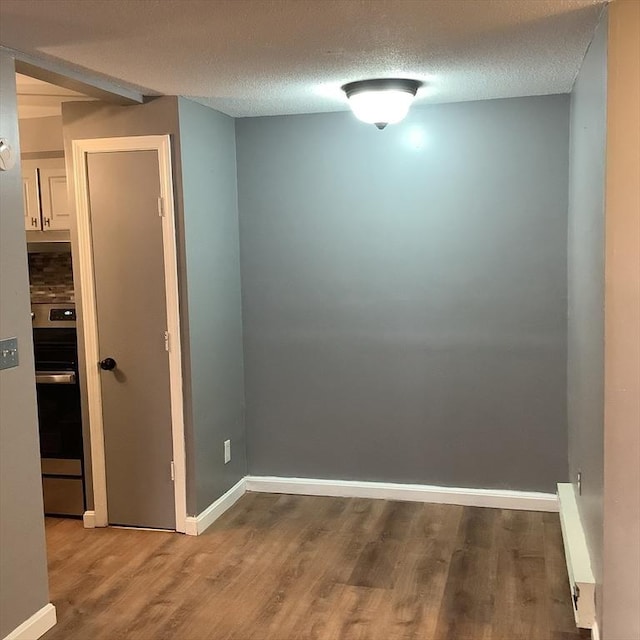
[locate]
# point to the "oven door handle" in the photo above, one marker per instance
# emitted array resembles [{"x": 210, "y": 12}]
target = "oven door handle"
[{"x": 55, "y": 377}]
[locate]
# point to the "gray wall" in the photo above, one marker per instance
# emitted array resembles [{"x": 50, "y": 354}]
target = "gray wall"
[
  {"x": 585, "y": 357},
  {"x": 39, "y": 135},
  {"x": 404, "y": 294},
  {"x": 23, "y": 562},
  {"x": 99, "y": 120},
  {"x": 208, "y": 274},
  {"x": 208, "y": 151}
]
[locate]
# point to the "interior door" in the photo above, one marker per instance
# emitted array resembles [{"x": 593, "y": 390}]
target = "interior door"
[{"x": 126, "y": 233}]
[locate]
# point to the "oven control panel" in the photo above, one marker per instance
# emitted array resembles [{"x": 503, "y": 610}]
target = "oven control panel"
[
  {"x": 57, "y": 315},
  {"x": 62, "y": 314}
]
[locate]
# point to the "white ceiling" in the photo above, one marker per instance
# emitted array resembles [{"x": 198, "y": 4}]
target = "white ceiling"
[{"x": 267, "y": 57}]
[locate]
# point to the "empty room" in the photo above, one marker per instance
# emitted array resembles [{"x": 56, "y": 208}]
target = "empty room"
[{"x": 320, "y": 319}]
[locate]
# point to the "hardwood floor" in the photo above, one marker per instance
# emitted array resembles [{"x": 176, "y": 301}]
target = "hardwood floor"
[{"x": 279, "y": 567}]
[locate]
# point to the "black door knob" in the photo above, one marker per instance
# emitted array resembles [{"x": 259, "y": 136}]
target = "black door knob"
[{"x": 107, "y": 364}]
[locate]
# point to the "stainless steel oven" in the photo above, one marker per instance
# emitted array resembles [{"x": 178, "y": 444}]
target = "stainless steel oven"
[{"x": 59, "y": 413}]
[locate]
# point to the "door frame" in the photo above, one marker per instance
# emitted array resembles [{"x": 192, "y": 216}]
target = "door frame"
[{"x": 161, "y": 144}]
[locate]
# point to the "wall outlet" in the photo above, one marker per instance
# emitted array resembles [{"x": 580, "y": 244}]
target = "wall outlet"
[{"x": 227, "y": 451}]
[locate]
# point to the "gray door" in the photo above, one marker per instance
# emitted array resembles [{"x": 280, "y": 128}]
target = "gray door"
[{"x": 128, "y": 262}]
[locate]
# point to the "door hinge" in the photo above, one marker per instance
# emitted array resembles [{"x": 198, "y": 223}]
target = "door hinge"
[
  {"x": 166, "y": 341},
  {"x": 161, "y": 206},
  {"x": 173, "y": 472}
]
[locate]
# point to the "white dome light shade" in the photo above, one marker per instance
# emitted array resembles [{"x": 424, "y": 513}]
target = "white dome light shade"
[
  {"x": 381, "y": 102},
  {"x": 381, "y": 107}
]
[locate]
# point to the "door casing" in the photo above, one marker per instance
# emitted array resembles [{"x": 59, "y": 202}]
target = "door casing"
[{"x": 161, "y": 144}]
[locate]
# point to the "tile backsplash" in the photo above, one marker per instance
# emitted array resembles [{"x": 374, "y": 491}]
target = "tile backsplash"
[{"x": 51, "y": 277}]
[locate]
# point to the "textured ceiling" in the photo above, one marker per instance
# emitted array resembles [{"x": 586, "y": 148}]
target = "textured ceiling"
[{"x": 265, "y": 57}]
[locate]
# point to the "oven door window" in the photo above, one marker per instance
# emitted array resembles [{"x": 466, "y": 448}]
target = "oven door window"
[{"x": 59, "y": 420}]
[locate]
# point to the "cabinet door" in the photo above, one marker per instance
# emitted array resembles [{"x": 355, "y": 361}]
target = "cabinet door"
[
  {"x": 30, "y": 195},
  {"x": 53, "y": 194}
]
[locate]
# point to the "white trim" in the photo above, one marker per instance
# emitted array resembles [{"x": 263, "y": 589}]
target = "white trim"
[
  {"x": 595, "y": 631},
  {"x": 577, "y": 557},
  {"x": 173, "y": 323},
  {"x": 89, "y": 519},
  {"x": 90, "y": 330},
  {"x": 494, "y": 498},
  {"x": 525, "y": 500},
  {"x": 162, "y": 145},
  {"x": 197, "y": 524},
  {"x": 35, "y": 626}
]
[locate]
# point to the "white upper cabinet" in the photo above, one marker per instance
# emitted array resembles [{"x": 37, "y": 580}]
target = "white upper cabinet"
[
  {"x": 53, "y": 194},
  {"x": 31, "y": 195},
  {"x": 46, "y": 204}
]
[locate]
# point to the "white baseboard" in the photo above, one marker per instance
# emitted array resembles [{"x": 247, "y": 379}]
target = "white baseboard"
[
  {"x": 195, "y": 525},
  {"x": 494, "y": 498},
  {"x": 595, "y": 631},
  {"x": 89, "y": 519},
  {"x": 576, "y": 551},
  {"x": 36, "y": 626}
]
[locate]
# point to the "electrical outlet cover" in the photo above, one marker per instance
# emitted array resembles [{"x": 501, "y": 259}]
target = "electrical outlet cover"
[{"x": 9, "y": 353}]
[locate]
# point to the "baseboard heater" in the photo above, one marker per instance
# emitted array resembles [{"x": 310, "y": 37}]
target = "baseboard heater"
[{"x": 576, "y": 552}]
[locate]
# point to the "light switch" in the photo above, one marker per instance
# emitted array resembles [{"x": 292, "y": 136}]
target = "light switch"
[{"x": 8, "y": 353}]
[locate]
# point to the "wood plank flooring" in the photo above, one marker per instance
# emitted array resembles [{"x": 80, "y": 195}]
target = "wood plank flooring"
[{"x": 278, "y": 567}]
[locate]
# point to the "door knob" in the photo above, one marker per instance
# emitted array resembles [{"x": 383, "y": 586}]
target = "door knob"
[{"x": 107, "y": 364}]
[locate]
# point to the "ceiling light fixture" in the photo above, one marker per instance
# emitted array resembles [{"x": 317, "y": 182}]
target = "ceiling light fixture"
[{"x": 383, "y": 101}]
